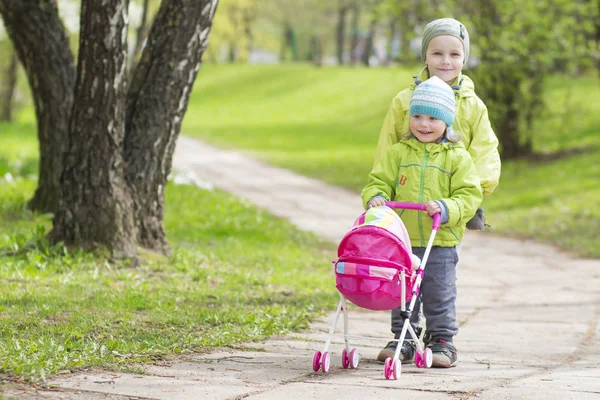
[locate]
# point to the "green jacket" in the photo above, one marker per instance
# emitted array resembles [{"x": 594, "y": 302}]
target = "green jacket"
[
  {"x": 416, "y": 172},
  {"x": 471, "y": 121}
]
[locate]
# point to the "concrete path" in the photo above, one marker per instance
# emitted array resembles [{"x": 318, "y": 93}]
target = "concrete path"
[{"x": 529, "y": 318}]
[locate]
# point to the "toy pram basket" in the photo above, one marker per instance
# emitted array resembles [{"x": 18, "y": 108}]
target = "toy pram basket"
[{"x": 374, "y": 259}]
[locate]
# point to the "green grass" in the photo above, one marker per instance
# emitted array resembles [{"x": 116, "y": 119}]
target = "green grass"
[
  {"x": 237, "y": 275},
  {"x": 324, "y": 123},
  {"x": 319, "y": 122}
]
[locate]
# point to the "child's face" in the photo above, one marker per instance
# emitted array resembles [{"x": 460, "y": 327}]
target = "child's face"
[
  {"x": 445, "y": 57},
  {"x": 426, "y": 128}
]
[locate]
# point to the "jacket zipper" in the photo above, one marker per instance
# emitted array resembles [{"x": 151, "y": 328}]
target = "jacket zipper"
[
  {"x": 452, "y": 232},
  {"x": 420, "y": 215}
]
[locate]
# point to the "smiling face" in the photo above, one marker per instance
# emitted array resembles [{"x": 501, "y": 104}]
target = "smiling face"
[
  {"x": 445, "y": 57},
  {"x": 427, "y": 129}
]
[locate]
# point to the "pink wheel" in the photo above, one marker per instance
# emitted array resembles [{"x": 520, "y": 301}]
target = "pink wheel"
[
  {"x": 353, "y": 358},
  {"x": 396, "y": 369},
  {"x": 427, "y": 358},
  {"x": 387, "y": 368},
  {"x": 419, "y": 361},
  {"x": 345, "y": 359},
  {"x": 317, "y": 361},
  {"x": 325, "y": 362}
]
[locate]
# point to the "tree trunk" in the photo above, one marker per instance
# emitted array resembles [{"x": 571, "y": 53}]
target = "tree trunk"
[
  {"x": 597, "y": 40},
  {"x": 392, "y": 38},
  {"x": 95, "y": 205},
  {"x": 9, "y": 92},
  {"x": 248, "y": 17},
  {"x": 232, "y": 51},
  {"x": 142, "y": 30},
  {"x": 369, "y": 43},
  {"x": 405, "y": 29},
  {"x": 42, "y": 45},
  {"x": 316, "y": 51},
  {"x": 289, "y": 41},
  {"x": 156, "y": 103},
  {"x": 354, "y": 31},
  {"x": 341, "y": 34}
]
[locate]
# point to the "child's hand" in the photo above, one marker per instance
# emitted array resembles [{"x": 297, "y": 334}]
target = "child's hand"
[
  {"x": 433, "y": 208},
  {"x": 377, "y": 201}
]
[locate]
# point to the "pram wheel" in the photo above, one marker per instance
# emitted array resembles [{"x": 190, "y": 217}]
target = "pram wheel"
[
  {"x": 424, "y": 360},
  {"x": 419, "y": 360},
  {"x": 321, "y": 361},
  {"x": 428, "y": 357},
  {"x": 317, "y": 361},
  {"x": 396, "y": 369},
  {"x": 325, "y": 362},
  {"x": 392, "y": 368},
  {"x": 387, "y": 368},
  {"x": 350, "y": 359},
  {"x": 354, "y": 358},
  {"x": 345, "y": 359}
]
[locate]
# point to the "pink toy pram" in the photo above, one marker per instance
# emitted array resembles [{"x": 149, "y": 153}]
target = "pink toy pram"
[{"x": 376, "y": 270}]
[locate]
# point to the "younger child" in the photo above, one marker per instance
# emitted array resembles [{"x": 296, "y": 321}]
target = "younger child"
[
  {"x": 430, "y": 165},
  {"x": 445, "y": 51}
]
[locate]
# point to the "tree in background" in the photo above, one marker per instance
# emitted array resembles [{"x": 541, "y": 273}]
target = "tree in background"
[
  {"x": 234, "y": 29},
  {"x": 354, "y": 31},
  {"x": 595, "y": 8},
  {"x": 42, "y": 45},
  {"x": 118, "y": 142},
  {"x": 346, "y": 7},
  {"x": 8, "y": 87},
  {"x": 520, "y": 44},
  {"x": 343, "y": 8},
  {"x": 320, "y": 34},
  {"x": 294, "y": 28},
  {"x": 372, "y": 11},
  {"x": 406, "y": 16}
]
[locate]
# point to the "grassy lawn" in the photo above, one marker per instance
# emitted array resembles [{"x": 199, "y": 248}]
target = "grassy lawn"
[
  {"x": 324, "y": 123},
  {"x": 237, "y": 275}
]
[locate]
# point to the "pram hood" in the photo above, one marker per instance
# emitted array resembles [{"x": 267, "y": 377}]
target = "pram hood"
[{"x": 378, "y": 234}]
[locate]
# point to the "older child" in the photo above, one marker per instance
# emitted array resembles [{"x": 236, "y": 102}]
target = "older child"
[
  {"x": 429, "y": 165},
  {"x": 445, "y": 51}
]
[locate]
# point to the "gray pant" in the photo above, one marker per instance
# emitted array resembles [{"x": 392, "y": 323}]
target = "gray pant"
[{"x": 438, "y": 293}]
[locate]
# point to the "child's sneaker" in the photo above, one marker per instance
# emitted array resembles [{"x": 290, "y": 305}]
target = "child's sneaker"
[
  {"x": 444, "y": 354},
  {"x": 407, "y": 352}
]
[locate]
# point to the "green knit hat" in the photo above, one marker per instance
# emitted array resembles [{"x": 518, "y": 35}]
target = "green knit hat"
[
  {"x": 434, "y": 97},
  {"x": 445, "y": 26}
]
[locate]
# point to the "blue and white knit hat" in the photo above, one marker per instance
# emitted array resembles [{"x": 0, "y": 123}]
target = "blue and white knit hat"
[{"x": 434, "y": 97}]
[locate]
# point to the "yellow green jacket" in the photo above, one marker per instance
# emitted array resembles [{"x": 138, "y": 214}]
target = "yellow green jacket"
[
  {"x": 471, "y": 121},
  {"x": 416, "y": 172}
]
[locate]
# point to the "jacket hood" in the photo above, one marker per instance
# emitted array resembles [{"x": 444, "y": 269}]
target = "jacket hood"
[{"x": 463, "y": 85}]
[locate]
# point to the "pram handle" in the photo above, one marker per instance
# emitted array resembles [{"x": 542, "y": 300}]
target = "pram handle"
[{"x": 416, "y": 206}]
